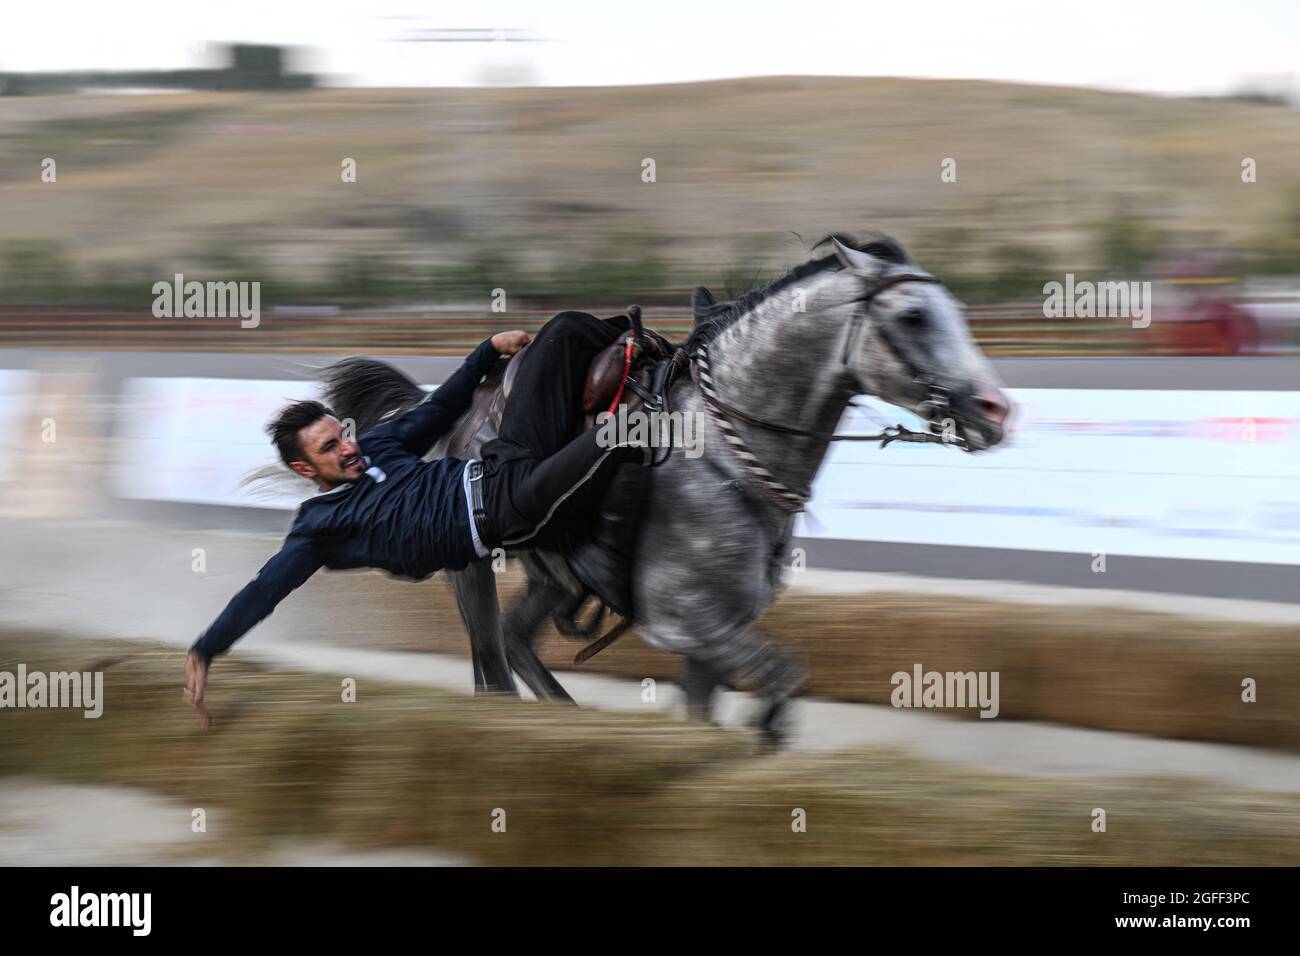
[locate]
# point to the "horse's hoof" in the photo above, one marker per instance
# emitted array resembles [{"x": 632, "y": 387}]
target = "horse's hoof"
[{"x": 774, "y": 724}]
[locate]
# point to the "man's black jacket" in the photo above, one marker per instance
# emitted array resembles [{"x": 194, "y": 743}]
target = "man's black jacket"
[{"x": 405, "y": 515}]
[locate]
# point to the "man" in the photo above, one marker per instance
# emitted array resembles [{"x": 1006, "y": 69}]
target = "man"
[{"x": 385, "y": 507}]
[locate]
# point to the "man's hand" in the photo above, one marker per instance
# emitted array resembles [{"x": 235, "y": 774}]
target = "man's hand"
[
  {"x": 508, "y": 343},
  {"x": 196, "y": 682}
]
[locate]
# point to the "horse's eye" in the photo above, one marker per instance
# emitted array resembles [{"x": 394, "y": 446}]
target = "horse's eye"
[{"x": 912, "y": 319}]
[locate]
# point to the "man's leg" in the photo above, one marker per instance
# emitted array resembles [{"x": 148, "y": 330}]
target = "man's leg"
[
  {"x": 547, "y": 391},
  {"x": 534, "y": 467}
]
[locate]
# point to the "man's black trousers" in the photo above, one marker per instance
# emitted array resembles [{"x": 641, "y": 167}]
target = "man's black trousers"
[{"x": 535, "y": 474}]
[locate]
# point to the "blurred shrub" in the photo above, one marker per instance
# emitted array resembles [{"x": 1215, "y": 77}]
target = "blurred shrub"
[
  {"x": 1127, "y": 244},
  {"x": 627, "y": 268},
  {"x": 613, "y": 269},
  {"x": 1277, "y": 251},
  {"x": 951, "y": 253},
  {"x": 35, "y": 270},
  {"x": 1018, "y": 272},
  {"x": 361, "y": 279}
]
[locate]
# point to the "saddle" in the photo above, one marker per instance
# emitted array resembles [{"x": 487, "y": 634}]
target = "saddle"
[
  {"x": 637, "y": 370},
  {"x": 623, "y": 367}
]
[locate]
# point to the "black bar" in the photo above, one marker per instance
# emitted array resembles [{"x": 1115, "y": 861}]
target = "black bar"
[{"x": 859, "y": 907}]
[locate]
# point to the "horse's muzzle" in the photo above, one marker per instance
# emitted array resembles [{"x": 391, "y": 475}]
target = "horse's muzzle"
[{"x": 982, "y": 415}]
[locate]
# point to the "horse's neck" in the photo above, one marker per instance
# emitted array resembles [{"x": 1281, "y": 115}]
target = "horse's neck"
[{"x": 776, "y": 365}]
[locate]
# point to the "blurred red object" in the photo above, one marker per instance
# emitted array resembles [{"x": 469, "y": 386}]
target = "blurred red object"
[{"x": 1212, "y": 327}]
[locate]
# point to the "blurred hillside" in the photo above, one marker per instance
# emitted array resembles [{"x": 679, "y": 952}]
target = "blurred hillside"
[{"x": 539, "y": 191}]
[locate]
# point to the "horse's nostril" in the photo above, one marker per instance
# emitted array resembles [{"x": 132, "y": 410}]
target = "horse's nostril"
[{"x": 993, "y": 407}]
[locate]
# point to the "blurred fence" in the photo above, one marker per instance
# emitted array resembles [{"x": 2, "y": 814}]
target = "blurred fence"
[{"x": 1013, "y": 329}]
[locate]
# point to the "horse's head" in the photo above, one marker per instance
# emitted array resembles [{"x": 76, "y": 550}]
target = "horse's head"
[{"x": 908, "y": 344}]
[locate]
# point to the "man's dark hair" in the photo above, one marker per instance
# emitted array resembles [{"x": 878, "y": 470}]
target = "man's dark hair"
[{"x": 284, "y": 429}]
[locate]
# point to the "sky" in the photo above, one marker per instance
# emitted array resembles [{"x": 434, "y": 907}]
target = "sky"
[{"x": 1154, "y": 46}]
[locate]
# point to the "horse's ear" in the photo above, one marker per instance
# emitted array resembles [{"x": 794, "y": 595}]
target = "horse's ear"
[
  {"x": 854, "y": 259},
  {"x": 702, "y": 301}
]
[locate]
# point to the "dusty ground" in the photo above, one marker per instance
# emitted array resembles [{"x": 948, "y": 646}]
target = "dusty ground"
[
  {"x": 1111, "y": 667},
  {"x": 52, "y": 824},
  {"x": 417, "y": 768}
]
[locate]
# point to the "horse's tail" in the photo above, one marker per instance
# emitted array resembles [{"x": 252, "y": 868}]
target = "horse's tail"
[{"x": 367, "y": 391}]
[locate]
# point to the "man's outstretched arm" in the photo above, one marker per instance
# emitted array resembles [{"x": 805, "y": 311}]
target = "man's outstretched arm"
[
  {"x": 419, "y": 428},
  {"x": 288, "y": 569}
]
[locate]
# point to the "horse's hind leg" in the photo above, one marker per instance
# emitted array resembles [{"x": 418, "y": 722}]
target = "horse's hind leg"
[
  {"x": 522, "y": 621},
  {"x": 476, "y": 596}
]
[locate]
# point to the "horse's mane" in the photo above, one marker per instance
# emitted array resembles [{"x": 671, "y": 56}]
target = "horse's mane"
[{"x": 712, "y": 317}]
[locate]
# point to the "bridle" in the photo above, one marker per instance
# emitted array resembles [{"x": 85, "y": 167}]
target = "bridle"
[
  {"x": 935, "y": 408},
  {"x": 858, "y": 322}
]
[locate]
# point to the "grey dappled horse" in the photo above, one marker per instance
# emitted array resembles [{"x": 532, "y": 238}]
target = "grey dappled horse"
[{"x": 773, "y": 372}]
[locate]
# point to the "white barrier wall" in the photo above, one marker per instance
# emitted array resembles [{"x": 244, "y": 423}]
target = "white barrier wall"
[
  {"x": 1209, "y": 475},
  {"x": 16, "y": 390},
  {"x": 195, "y": 439}
]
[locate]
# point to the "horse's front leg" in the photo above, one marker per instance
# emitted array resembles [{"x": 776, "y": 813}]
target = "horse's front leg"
[
  {"x": 737, "y": 655},
  {"x": 699, "y": 683},
  {"x": 476, "y": 597},
  {"x": 775, "y": 672}
]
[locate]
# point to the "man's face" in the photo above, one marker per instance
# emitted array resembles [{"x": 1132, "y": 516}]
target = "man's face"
[{"x": 330, "y": 458}]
